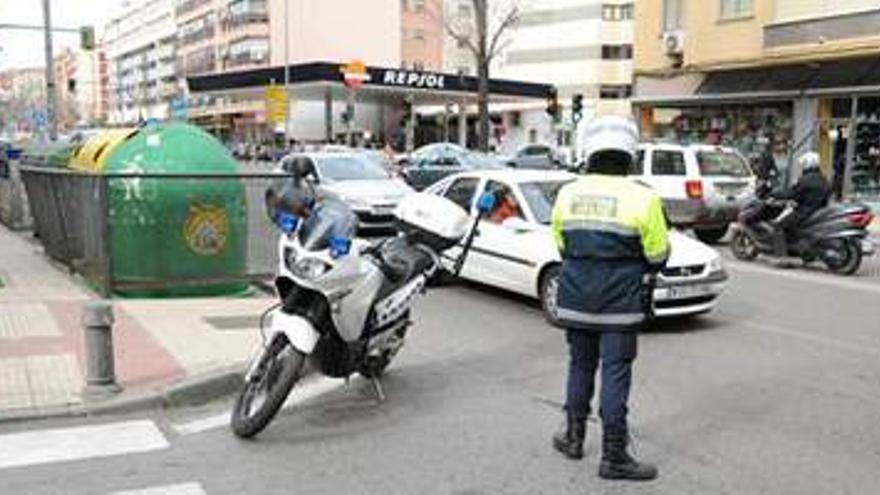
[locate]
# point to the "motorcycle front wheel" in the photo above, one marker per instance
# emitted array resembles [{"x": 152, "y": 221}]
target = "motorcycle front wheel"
[
  {"x": 842, "y": 256},
  {"x": 262, "y": 396}
]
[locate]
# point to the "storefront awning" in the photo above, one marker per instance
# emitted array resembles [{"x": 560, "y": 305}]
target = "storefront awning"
[{"x": 779, "y": 83}]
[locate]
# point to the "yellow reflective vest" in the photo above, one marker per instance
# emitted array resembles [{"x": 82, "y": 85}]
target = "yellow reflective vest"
[{"x": 611, "y": 231}]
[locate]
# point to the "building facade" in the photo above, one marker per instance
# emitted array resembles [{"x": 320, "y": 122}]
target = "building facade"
[
  {"x": 22, "y": 102},
  {"x": 784, "y": 75},
  {"x": 422, "y": 34},
  {"x": 141, "y": 55},
  {"x": 583, "y": 47},
  {"x": 81, "y": 79}
]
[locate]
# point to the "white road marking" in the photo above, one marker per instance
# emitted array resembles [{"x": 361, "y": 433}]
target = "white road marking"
[
  {"x": 81, "y": 442},
  {"x": 178, "y": 489},
  {"x": 304, "y": 391},
  {"x": 816, "y": 339},
  {"x": 828, "y": 279}
]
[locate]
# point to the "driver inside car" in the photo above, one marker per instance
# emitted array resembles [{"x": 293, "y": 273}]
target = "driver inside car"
[{"x": 505, "y": 207}]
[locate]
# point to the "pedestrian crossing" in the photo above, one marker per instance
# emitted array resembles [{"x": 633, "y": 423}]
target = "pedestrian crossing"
[{"x": 81, "y": 442}]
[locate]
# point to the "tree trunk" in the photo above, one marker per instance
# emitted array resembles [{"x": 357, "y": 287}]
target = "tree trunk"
[
  {"x": 481, "y": 12},
  {"x": 483, "y": 105}
]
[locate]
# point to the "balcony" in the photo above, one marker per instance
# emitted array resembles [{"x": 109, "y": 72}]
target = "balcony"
[
  {"x": 246, "y": 58},
  {"x": 235, "y": 21},
  {"x": 189, "y": 6},
  {"x": 196, "y": 36}
]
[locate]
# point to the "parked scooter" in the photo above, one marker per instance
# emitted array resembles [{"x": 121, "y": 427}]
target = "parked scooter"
[
  {"x": 344, "y": 304},
  {"x": 835, "y": 235}
]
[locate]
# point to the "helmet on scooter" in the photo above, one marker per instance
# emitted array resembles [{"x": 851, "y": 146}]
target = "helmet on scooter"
[
  {"x": 610, "y": 145},
  {"x": 809, "y": 161}
]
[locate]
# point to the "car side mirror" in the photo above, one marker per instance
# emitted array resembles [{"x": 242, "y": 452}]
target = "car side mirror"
[
  {"x": 517, "y": 225},
  {"x": 485, "y": 204}
]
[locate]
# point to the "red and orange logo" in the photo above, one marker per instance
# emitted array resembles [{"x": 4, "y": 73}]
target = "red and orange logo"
[{"x": 354, "y": 74}]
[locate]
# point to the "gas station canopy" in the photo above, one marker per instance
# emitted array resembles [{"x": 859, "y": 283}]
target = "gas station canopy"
[{"x": 320, "y": 80}]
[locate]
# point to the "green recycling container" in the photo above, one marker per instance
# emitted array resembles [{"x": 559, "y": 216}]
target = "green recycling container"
[{"x": 173, "y": 237}]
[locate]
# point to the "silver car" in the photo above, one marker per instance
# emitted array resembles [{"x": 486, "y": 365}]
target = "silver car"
[{"x": 357, "y": 180}]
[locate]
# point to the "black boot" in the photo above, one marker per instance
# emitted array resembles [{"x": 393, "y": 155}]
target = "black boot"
[
  {"x": 570, "y": 441},
  {"x": 617, "y": 464}
]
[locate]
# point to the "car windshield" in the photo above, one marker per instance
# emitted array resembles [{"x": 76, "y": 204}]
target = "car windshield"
[
  {"x": 540, "y": 196},
  {"x": 349, "y": 167},
  {"x": 722, "y": 163}
]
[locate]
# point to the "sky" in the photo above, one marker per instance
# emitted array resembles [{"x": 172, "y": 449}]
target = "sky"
[{"x": 19, "y": 49}]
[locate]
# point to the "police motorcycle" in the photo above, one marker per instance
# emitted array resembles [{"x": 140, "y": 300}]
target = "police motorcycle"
[
  {"x": 835, "y": 235},
  {"x": 345, "y": 304}
]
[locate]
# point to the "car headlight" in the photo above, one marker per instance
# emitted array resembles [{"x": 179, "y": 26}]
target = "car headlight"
[
  {"x": 309, "y": 268},
  {"x": 716, "y": 265}
]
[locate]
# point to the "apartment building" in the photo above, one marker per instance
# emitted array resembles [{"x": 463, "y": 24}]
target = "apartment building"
[
  {"x": 795, "y": 75},
  {"x": 81, "y": 79},
  {"x": 422, "y": 34},
  {"x": 141, "y": 54},
  {"x": 583, "y": 47},
  {"x": 23, "y": 99}
]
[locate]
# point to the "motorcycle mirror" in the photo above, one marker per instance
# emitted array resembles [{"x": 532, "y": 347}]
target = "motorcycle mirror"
[{"x": 485, "y": 203}]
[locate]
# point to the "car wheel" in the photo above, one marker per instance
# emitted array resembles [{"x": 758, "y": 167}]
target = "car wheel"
[
  {"x": 711, "y": 236},
  {"x": 549, "y": 288}
]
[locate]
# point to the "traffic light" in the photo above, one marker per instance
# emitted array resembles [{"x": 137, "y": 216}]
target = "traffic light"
[
  {"x": 577, "y": 107},
  {"x": 553, "y": 105},
  {"x": 87, "y": 38}
]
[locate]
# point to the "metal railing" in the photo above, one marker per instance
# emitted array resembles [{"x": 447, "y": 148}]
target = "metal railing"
[{"x": 135, "y": 232}]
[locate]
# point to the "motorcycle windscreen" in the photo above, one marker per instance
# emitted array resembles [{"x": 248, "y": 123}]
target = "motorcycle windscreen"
[{"x": 328, "y": 219}]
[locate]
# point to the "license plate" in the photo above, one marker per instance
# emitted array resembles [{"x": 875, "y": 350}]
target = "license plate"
[{"x": 688, "y": 291}]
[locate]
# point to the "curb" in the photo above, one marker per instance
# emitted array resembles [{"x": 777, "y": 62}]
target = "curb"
[{"x": 190, "y": 391}]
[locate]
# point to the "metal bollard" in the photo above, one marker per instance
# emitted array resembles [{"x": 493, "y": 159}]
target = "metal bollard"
[{"x": 98, "y": 326}]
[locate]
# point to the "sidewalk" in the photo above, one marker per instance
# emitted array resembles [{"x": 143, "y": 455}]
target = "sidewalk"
[{"x": 162, "y": 346}]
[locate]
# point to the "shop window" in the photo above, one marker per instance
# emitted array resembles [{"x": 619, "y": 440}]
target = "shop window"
[
  {"x": 617, "y": 12},
  {"x": 669, "y": 163},
  {"x": 733, "y": 9}
]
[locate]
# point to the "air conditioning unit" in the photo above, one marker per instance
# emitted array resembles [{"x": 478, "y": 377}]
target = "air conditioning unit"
[{"x": 673, "y": 43}]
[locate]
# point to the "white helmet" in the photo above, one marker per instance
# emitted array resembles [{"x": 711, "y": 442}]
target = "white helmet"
[
  {"x": 809, "y": 161},
  {"x": 609, "y": 134}
]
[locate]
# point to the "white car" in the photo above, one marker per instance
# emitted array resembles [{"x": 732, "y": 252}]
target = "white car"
[
  {"x": 359, "y": 181},
  {"x": 702, "y": 186},
  {"x": 518, "y": 253}
]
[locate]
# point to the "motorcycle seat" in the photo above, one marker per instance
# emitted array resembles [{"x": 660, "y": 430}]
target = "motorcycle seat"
[{"x": 400, "y": 261}]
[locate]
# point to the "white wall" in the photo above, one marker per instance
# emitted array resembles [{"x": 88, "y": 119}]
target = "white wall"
[
  {"x": 788, "y": 10},
  {"x": 336, "y": 31}
]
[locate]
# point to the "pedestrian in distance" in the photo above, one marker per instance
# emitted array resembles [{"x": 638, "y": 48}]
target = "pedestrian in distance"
[{"x": 612, "y": 234}]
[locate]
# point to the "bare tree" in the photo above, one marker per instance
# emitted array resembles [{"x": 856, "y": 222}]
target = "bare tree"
[{"x": 485, "y": 41}]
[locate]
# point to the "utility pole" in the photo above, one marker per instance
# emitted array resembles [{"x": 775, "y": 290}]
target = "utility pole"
[
  {"x": 50, "y": 73},
  {"x": 286, "y": 75}
]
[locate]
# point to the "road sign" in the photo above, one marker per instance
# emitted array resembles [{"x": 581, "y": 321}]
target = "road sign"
[{"x": 276, "y": 104}]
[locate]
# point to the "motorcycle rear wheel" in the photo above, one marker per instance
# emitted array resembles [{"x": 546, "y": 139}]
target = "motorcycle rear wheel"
[
  {"x": 277, "y": 372},
  {"x": 743, "y": 246},
  {"x": 848, "y": 257}
]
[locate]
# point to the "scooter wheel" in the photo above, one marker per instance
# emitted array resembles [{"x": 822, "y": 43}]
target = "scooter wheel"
[
  {"x": 843, "y": 256},
  {"x": 743, "y": 246}
]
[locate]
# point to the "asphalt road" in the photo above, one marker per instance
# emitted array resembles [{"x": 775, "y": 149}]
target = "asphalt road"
[{"x": 777, "y": 391}]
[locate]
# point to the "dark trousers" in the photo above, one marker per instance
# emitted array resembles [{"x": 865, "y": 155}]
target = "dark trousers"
[{"x": 616, "y": 352}]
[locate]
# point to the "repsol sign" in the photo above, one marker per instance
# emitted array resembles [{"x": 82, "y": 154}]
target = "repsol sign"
[{"x": 413, "y": 79}]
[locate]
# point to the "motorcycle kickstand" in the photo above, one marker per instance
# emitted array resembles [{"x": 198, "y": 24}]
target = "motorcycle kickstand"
[{"x": 377, "y": 388}]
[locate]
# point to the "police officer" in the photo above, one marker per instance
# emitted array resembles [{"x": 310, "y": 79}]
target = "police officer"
[{"x": 612, "y": 234}]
